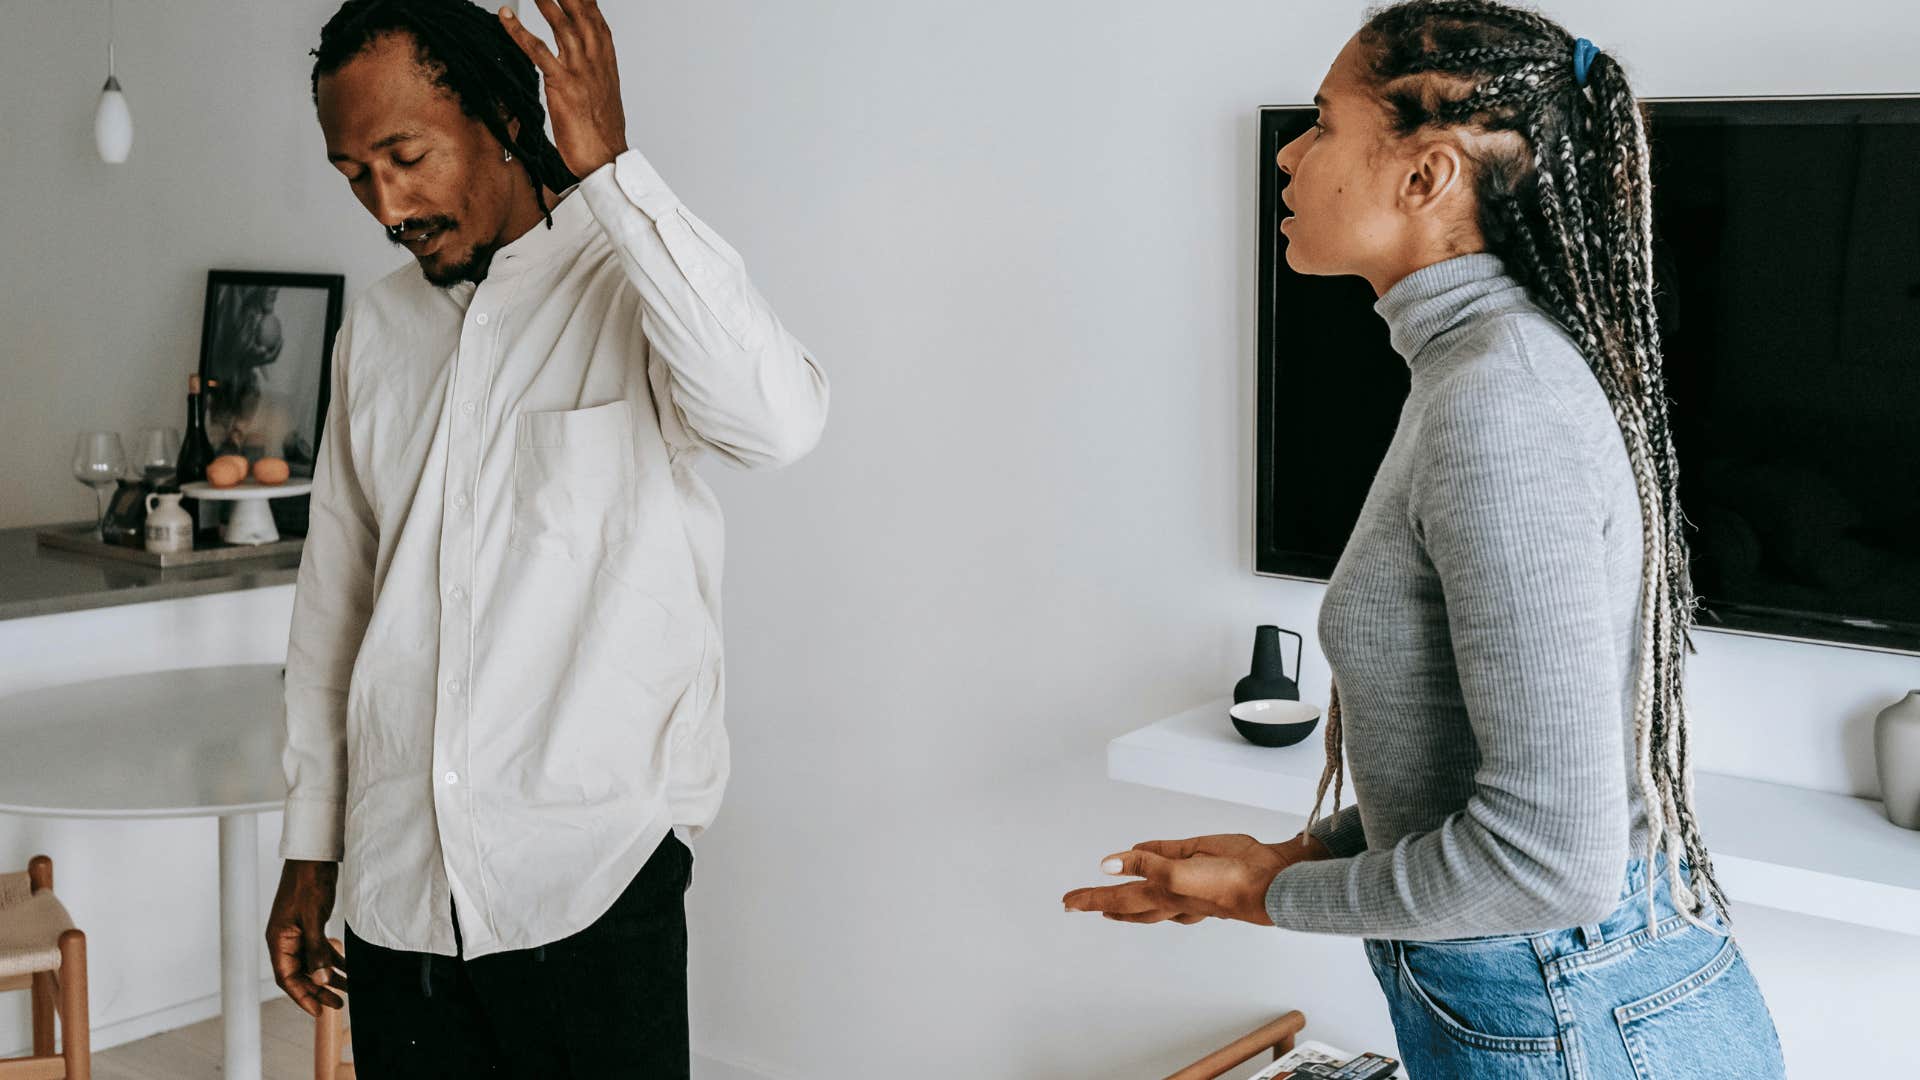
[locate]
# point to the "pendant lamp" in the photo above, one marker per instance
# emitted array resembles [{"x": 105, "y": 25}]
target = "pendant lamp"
[{"x": 112, "y": 120}]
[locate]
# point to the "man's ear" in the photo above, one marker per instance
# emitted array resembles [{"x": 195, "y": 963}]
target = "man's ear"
[{"x": 1437, "y": 170}]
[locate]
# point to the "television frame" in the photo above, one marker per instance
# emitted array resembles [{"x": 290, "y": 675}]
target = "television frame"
[{"x": 1748, "y": 620}]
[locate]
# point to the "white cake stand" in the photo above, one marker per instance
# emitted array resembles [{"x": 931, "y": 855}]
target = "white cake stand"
[{"x": 252, "y": 519}]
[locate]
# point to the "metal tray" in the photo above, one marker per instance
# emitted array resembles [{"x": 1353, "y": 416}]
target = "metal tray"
[{"x": 83, "y": 539}]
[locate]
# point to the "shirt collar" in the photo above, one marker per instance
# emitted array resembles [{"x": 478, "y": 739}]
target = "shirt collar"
[{"x": 571, "y": 222}]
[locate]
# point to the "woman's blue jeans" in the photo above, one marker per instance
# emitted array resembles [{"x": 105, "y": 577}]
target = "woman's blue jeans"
[{"x": 1600, "y": 1002}]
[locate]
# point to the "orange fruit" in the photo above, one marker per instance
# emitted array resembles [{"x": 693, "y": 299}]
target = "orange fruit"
[
  {"x": 226, "y": 470},
  {"x": 271, "y": 470}
]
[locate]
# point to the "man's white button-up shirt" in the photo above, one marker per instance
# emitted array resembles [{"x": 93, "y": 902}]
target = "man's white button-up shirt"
[{"x": 511, "y": 577}]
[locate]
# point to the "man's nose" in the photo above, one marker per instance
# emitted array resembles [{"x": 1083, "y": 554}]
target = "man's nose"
[{"x": 390, "y": 203}]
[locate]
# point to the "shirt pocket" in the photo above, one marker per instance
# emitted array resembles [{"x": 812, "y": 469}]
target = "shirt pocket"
[{"x": 572, "y": 481}]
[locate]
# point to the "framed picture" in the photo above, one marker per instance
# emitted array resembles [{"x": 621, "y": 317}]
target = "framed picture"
[{"x": 266, "y": 347}]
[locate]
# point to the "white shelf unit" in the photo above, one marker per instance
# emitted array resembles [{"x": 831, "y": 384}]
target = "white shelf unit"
[{"x": 1794, "y": 849}]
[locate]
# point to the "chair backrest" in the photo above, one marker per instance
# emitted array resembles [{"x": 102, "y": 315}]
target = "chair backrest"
[{"x": 15, "y": 888}]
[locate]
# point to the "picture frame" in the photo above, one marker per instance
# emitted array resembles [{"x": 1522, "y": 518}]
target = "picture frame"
[{"x": 266, "y": 338}]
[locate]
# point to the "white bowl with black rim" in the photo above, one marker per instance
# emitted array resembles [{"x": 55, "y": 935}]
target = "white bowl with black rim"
[{"x": 1274, "y": 721}]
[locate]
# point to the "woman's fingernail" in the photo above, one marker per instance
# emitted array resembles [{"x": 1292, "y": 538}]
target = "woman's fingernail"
[{"x": 1111, "y": 866}]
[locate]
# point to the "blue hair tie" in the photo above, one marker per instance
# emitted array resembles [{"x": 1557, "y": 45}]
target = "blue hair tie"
[{"x": 1583, "y": 53}]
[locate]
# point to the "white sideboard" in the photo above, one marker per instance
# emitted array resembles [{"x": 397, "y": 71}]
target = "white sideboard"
[{"x": 1791, "y": 848}]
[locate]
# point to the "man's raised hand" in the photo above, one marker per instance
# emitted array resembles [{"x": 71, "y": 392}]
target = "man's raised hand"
[{"x": 582, "y": 80}]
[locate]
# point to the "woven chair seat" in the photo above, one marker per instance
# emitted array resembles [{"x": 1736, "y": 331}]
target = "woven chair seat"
[{"x": 30, "y": 929}]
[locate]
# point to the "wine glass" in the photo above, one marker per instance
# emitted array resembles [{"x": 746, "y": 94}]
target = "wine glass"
[
  {"x": 154, "y": 450},
  {"x": 98, "y": 462}
]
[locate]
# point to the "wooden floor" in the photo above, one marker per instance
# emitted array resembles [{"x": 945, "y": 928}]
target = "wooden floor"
[{"x": 194, "y": 1053}]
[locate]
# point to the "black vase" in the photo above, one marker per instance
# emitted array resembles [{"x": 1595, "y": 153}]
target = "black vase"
[
  {"x": 126, "y": 520},
  {"x": 1267, "y": 682},
  {"x": 1268, "y": 677}
]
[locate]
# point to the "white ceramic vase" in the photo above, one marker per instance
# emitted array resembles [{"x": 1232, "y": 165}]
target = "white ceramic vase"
[
  {"x": 168, "y": 528},
  {"x": 1896, "y": 752}
]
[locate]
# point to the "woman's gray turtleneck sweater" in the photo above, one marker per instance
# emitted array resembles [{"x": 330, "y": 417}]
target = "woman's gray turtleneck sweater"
[{"x": 1482, "y": 627}]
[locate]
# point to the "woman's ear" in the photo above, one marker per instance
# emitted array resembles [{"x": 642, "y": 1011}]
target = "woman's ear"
[{"x": 1436, "y": 172}]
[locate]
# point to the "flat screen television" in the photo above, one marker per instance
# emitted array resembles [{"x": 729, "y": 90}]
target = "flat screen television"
[{"x": 1787, "y": 251}]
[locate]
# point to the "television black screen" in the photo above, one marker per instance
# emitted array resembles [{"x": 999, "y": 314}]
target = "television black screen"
[{"x": 1787, "y": 281}]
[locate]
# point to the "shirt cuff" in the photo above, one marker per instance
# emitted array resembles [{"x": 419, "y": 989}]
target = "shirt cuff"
[
  {"x": 1309, "y": 896},
  {"x": 1341, "y": 833},
  {"x": 626, "y": 184},
  {"x": 314, "y": 830},
  {"x": 693, "y": 273}
]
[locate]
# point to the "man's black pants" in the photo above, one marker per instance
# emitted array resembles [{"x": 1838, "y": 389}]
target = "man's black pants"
[{"x": 607, "y": 1002}]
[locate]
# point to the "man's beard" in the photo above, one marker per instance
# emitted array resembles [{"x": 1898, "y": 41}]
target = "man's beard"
[{"x": 472, "y": 268}]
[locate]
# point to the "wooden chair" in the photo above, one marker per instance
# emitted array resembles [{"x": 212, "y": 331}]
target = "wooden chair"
[
  {"x": 331, "y": 1036},
  {"x": 42, "y": 951},
  {"x": 1275, "y": 1035}
]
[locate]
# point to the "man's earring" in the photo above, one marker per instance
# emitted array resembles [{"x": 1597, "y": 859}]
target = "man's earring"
[{"x": 508, "y": 153}]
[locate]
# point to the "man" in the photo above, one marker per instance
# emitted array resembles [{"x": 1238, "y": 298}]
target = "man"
[{"x": 504, "y": 679}]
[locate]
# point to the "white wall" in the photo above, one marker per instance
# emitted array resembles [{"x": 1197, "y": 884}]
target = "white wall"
[{"x": 1018, "y": 234}]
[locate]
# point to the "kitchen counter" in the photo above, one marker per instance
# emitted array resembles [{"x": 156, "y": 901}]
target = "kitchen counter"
[{"x": 37, "y": 580}]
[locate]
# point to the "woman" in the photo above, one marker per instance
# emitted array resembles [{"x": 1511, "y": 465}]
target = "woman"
[{"x": 1507, "y": 622}]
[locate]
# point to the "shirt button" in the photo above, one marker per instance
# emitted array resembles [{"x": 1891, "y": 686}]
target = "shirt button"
[
  {"x": 467, "y": 407},
  {"x": 481, "y": 318},
  {"x": 453, "y": 687},
  {"x": 460, "y": 500},
  {"x": 453, "y": 777},
  {"x": 458, "y": 594}
]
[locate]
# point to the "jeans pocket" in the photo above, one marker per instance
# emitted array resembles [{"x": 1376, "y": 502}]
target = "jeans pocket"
[
  {"x": 1711, "y": 1025},
  {"x": 1488, "y": 997}
]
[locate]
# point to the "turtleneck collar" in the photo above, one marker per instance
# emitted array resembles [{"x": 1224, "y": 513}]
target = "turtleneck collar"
[{"x": 1438, "y": 297}]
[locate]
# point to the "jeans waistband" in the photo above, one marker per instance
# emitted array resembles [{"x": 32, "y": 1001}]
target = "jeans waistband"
[{"x": 1629, "y": 917}]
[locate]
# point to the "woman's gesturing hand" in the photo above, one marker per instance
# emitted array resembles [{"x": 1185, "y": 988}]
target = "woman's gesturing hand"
[{"x": 1223, "y": 876}]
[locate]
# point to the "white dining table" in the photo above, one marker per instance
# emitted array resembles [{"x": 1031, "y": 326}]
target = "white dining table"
[{"x": 193, "y": 742}]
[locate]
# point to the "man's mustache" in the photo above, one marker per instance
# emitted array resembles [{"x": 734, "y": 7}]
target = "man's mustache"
[{"x": 395, "y": 232}]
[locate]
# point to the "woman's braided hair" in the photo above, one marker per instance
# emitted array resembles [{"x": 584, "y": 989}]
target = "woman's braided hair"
[
  {"x": 471, "y": 56},
  {"x": 1568, "y": 208}
]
